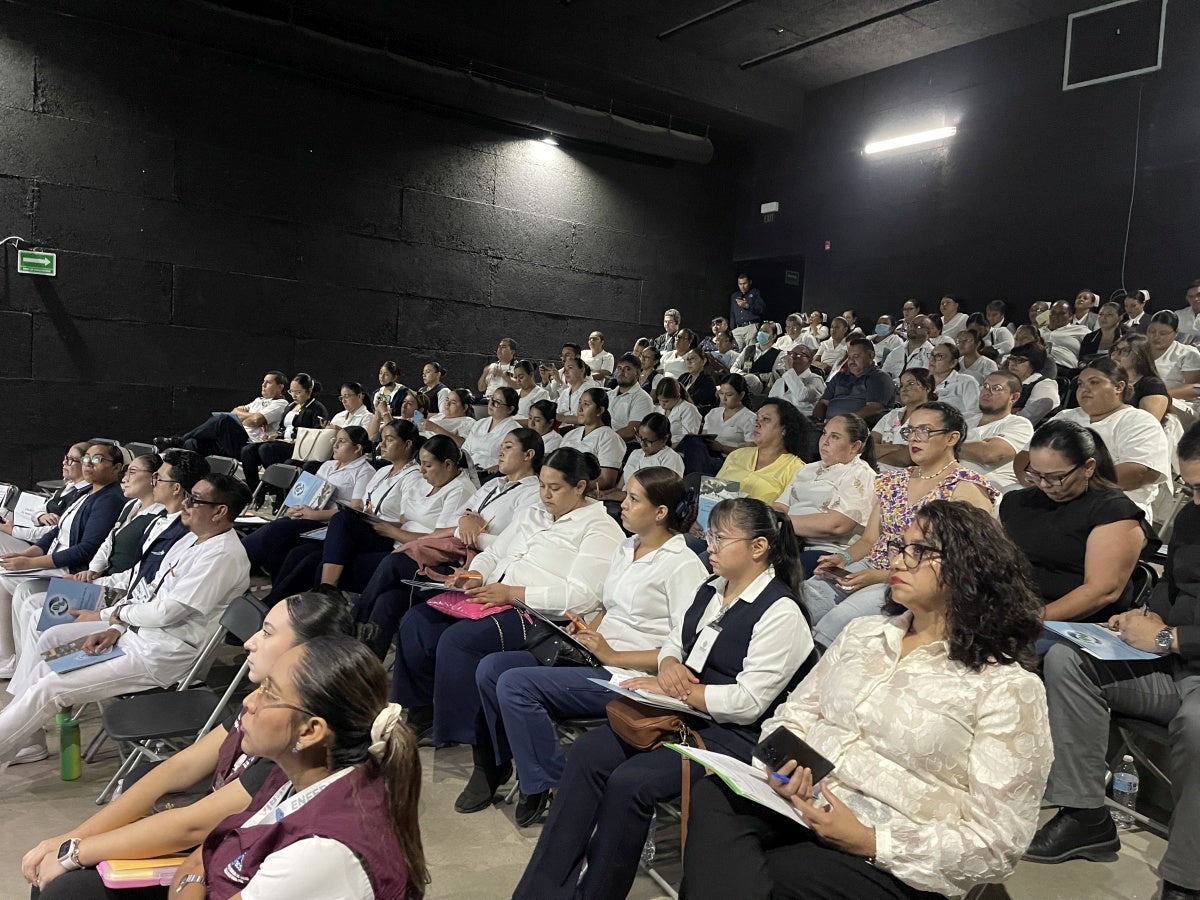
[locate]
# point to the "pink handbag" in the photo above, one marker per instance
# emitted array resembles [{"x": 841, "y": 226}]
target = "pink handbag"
[{"x": 455, "y": 604}]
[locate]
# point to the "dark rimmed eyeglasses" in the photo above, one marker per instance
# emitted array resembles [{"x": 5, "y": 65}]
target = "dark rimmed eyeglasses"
[
  {"x": 921, "y": 432},
  {"x": 913, "y": 554},
  {"x": 190, "y": 499},
  {"x": 1051, "y": 479}
]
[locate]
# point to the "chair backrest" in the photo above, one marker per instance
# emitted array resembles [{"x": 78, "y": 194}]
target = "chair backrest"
[
  {"x": 140, "y": 449},
  {"x": 244, "y": 616},
  {"x": 222, "y": 465},
  {"x": 1143, "y": 579},
  {"x": 280, "y": 475}
]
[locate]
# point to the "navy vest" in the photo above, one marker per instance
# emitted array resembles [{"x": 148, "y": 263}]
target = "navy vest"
[
  {"x": 153, "y": 557},
  {"x": 728, "y": 654}
]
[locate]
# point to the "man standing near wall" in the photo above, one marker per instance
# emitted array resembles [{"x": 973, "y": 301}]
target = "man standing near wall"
[{"x": 746, "y": 308}]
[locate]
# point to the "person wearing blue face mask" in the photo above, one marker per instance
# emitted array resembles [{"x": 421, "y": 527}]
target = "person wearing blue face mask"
[
  {"x": 757, "y": 361},
  {"x": 885, "y": 338}
]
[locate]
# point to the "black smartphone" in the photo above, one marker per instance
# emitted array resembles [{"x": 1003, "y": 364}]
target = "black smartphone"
[
  {"x": 781, "y": 745},
  {"x": 835, "y": 574}
]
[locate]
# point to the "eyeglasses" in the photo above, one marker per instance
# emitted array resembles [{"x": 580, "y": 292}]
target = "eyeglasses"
[
  {"x": 921, "y": 433},
  {"x": 1118, "y": 351},
  {"x": 347, "y": 396},
  {"x": 132, "y": 471},
  {"x": 913, "y": 554},
  {"x": 1188, "y": 489},
  {"x": 71, "y": 460},
  {"x": 492, "y": 401},
  {"x": 994, "y": 388},
  {"x": 269, "y": 700},
  {"x": 95, "y": 459},
  {"x": 647, "y": 441},
  {"x": 190, "y": 499},
  {"x": 1055, "y": 479},
  {"x": 717, "y": 541},
  {"x": 158, "y": 479}
]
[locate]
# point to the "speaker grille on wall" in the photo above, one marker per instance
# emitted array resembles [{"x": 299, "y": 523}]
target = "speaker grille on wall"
[{"x": 1116, "y": 40}]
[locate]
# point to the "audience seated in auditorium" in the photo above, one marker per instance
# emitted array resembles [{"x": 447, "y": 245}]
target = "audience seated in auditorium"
[
  {"x": 1039, "y": 394},
  {"x": 576, "y": 380},
  {"x": 16, "y": 538},
  {"x": 1083, "y": 310},
  {"x": 730, "y": 426},
  {"x": 1063, "y": 337},
  {"x": 674, "y": 362},
  {"x": 858, "y": 388},
  {"x": 970, "y": 360},
  {"x": 1178, "y": 364},
  {"x": 354, "y": 407},
  {"x": 628, "y": 403},
  {"x": 782, "y": 440},
  {"x": 482, "y": 444},
  {"x": 953, "y": 387},
  {"x": 455, "y": 420},
  {"x": 671, "y": 323},
  {"x": 1188, "y": 332},
  {"x": 527, "y": 388},
  {"x": 832, "y": 351},
  {"x": 1135, "y": 311},
  {"x": 390, "y": 389},
  {"x": 654, "y": 450},
  {"x": 909, "y": 812},
  {"x": 914, "y": 354},
  {"x": 227, "y": 433},
  {"x": 651, "y": 370},
  {"x": 672, "y": 400},
  {"x": 496, "y": 374},
  {"x": 306, "y": 411},
  {"x": 720, "y": 325},
  {"x": 954, "y": 319},
  {"x": 993, "y": 444},
  {"x": 763, "y": 648},
  {"x": 799, "y": 384},
  {"x": 699, "y": 384},
  {"x": 432, "y": 386},
  {"x": 596, "y": 436},
  {"x": 543, "y": 419},
  {"x": 815, "y": 329},
  {"x": 599, "y": 360}
]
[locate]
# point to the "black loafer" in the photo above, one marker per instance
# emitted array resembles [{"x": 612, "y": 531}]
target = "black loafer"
[
  {"x": 531, "y": 808},
  {"x": 166, "y": 443},
  {"x": 481, "y": 788},
  {"x": 1175, "y": 892},
  {"x": 1075, "y": 834}
]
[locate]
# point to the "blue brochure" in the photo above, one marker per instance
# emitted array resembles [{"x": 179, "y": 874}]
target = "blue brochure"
[
  {"x": 64, "y": 595},
  {"x": 69, "y": 657}
]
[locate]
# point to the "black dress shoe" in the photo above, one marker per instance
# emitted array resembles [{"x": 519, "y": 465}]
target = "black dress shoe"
[
  {"x": 1175, "y": 892},
  {"x": 531, "y": 808},
  {"x": 1076, "y": 834},
  {"x": 166, "y": 443},
  {"x": 481, "y": 788},
  {"x": 420, "y": 722}
]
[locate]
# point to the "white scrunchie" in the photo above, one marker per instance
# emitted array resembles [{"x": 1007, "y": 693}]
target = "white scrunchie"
[{"x": 382, "y": 727}]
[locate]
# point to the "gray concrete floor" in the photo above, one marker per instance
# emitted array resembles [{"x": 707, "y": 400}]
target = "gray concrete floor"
[{"x": 481, "y": 857}]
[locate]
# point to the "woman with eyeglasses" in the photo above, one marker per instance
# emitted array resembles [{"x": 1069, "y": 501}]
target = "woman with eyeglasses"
[
  {"x": 672, "y": 400},
  {"x": 354, "y": 403},
  {"x": 891, "y": 448},
  {"x": 348, "y": 474},
  {"x": 1134, "y": 438},
  {"x": 1039, "y": 394},
  {"x": 952, "y": 386},
  {"x": 730, "y": 426},
  {"x": 16, "y": 538},
  {"x": 306, "y": 411},
  {"x": 339, "y": 819},
  {"x": 698, "y": 383},
  {"x": 1081, "y": 534},
  {"x": 853, "y": 582},
  {"x": 1108, "y": 331},
  {"x": 456, "y": 418},
  {"x": 741, "y": 645},
  {"x": 595, "y": 435},
  {"x": 482, "y": 443},
  {"x": 937, "y": 724},
  {"x": 1132, "y": 352},
  {"x": 673, "y": 362},
  {"x": 781, "y": 443},
  {"x": 830, "y": 502},
  {"x": 543, "y": 418},
  {"x": 654, "y": 449},
  {"x": 143, "y": 821},
  {"x": 528, "y": 390},
  {"x": 651, "y": 373}
]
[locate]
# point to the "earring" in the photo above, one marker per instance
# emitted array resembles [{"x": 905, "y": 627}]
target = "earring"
[{"x": 296, "y": 749}]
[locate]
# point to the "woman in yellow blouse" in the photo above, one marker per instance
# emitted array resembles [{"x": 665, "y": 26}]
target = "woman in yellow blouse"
[{"x": 782, "y": 442}]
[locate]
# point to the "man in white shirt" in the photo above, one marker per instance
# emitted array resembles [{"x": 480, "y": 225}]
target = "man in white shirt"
[
  {"x": 1063, "y": 337},
  {"x": 227, "y": 433},
  {"x": 993, "y": 444},
  {"x": 497, "y": 374},
  {"x": 628, "y": 404},
  {"x": 1188, "y": 331},
  {"x": 913, "y": 354},
  {"x": 799, "y": 385},
  {"x": 1085, "y": 310},
  {"x": 160, "y": 625},
  {"x": 600, "y": 360}
]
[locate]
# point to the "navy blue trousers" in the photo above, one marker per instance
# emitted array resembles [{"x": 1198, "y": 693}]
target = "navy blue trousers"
[
  {"x": 522, "y": 700},
  {"x": 263, "y": 453},
  {"x": 269, "y": 546},
  {"x": 221, "y": 434},
  {"x": 436, "y": 659}
]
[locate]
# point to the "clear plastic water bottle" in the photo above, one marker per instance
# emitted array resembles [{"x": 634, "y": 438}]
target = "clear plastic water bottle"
[
  {"x": 1125, "y": 790},
  {"x": 648, "y": 847}
]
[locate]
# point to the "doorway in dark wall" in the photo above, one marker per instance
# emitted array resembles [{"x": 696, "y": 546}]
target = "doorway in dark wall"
[{"x": 780, "y": 279}]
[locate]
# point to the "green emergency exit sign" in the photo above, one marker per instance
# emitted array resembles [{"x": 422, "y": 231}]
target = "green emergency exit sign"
[{"x": 34, "y": 262}]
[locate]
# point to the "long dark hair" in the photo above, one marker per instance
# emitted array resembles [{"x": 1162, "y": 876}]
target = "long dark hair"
[
  {"x": 338, "y": 679},
  {"x": 312, "y": 614},
  {"x": 599, "y": 396},
  {"x": 797, "y": 433},
  {"x": 530, "y": 440},
  {"x": 407, "y": 433},
  {"x": 757, "y": 520},
  {"x": 1111, "y": 370},
  {"x": 993, "y": 615},
  {"x": 664, "y": 487},
  {"x": 575, "y": 465},
  {"x": 660, "y": 425},
  {"x": 1077, "y": 444},
  {"x": 859, "y": 430}
]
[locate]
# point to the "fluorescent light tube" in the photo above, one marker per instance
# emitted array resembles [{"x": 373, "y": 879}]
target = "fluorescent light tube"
[{"x": 910, "y": 140}]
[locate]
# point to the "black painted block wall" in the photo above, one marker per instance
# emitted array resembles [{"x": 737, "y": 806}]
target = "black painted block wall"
[
  {"x": 1028, "y": 201},
  {"x": 217, "y": 217}
]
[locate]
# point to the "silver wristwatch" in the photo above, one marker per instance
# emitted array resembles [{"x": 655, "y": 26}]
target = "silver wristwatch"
[
  {"x": 68, "y": 855},
  {"x": 1162, "y": 641},
  {"x": 188, "y": 879}
]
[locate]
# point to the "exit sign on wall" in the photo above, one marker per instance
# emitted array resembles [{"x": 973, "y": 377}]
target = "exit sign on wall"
[{"x": 34, "y": 262}]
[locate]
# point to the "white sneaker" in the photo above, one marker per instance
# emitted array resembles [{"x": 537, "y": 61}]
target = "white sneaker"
[
  {"x": 31, "y": 754},
  {"x": 8, "y": 667}
]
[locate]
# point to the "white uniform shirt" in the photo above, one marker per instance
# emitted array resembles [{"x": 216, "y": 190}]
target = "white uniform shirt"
[
  {"x": 350, "y": 481},
  {"x": 551, "y": 441},
  {"x": 962, "y": 392},
  {"x": 427, "y": 510},
  {"x": 779, "y": 645},
  {"x": 483, "y": 440},
  {"x": 672, "y": 365},
  {"x": 645, "y": 599},
  {"x": 980, "y": 369},
  {"x": 272, "y": 411},
  {"x": 1188, "y": 332},
  {"x": 631, "y": 406},
  {"x": 802, "y": 391},
  {"x": 568, "y": 399},
  {"x": 498, "y": 502},
  {"x": 1132, "y": 435},
  {"x": 601, "y": 362},
  {"x": 737, "y": 430},
  {"x": 607, "y": 446},
  {"x": 902, "y": 358},
  {"x": 1178, "y": 360},
  {"x": 496, "y": 376},
  {"x": 561, "y": 562},
  {"x": 1063, "y": 344},
  {"x": 889, "y": 425},
  {"x": 1001, "y": 339},
  {"x": 1014, "y": 430},
  {"x": 360, "y": 417},
  {"x": 956, "y": 323},
  {"x": 386, "y": 492},
  {"x": 885, "y": 346},
  {"x": 639, "y": 460},
  {"x": 846, "y": 488},
  {"x": 685, "y": 419},
  {"x": 954, "y": 799},
  {"x": 459, "y": 425},
  {"x": 831, "y": 355},
  {"x": 536, "y": 393}
]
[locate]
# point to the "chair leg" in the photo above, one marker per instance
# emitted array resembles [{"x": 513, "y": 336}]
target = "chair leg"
[
  {"x": 124, "y": 769},
  {"x": 93, "y": 747}
]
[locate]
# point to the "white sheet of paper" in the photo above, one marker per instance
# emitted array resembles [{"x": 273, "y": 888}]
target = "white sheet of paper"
[
  {"x": 650, "y": 698},
  {"x": 742, "y": 778}
]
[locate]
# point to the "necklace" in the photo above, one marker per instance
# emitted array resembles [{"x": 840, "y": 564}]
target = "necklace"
[{"x": 921, "y": 474}]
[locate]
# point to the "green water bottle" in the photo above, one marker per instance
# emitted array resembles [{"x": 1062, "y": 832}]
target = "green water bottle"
[{"x": 70, "y": 760}]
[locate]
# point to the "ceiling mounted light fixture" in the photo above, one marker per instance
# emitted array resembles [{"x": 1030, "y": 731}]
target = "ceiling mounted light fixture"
[
  {"x": 910, "y": 140},
  {"x": 549, "y": 139}
]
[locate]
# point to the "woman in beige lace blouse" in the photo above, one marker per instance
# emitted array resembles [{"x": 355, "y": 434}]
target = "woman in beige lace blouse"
[{"x": 936, "y": 726}]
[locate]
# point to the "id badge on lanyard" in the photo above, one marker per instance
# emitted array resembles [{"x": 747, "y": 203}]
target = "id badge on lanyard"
[{"x": 703, "y": 646}]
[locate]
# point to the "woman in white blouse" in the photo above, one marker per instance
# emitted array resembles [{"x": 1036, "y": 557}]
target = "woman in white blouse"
[
  {"x": 654, "y": 450},
  {"x": 833, "y": 350},
  {"x": 575, "y": 377},
  {"x": 543, "y": 417},
  {"x": 528, "y": 390},
  {"x": 815, "y": 330},
  {"x": 455, "y": 420},
  {"x": 970, "y": 361},
  {"x": 482, "y": 444},
  {"x": 953, "y": 387},
  {"x": 940, "y": 765},
  {"x": 355, "y": 410},
  {"x": 830, "y": 502},
  {"x": 552, "y": 558},
  {"x": 1178, "y": 364},
  {"x": 389, "y": 372},
  {"x": 596, "y": 436},
  {"x": 651, "y": 582},
  {"x": 673, "y": 362},
  {"x": 348, "y": 474},
  {"x": 673, "y": 401},
  {"x": 730, "y": 426},
  {"x": 350, "y": 540}
]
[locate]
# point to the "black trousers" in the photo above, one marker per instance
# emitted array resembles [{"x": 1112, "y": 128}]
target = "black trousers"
[
  {"x": 86, "y": 884},
  {"x": 736, "y": 848},
  {"x": 222, "y": 434}
]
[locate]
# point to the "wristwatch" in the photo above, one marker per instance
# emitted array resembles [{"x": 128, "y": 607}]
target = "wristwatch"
[
  {"x": 188, "y": 879},
  {"x": 68, "y": 855},
  {"x": 1162, "y": 641}
]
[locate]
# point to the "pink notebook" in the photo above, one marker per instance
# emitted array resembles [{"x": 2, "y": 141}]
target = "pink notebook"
[{"x": 138, "y": 873}]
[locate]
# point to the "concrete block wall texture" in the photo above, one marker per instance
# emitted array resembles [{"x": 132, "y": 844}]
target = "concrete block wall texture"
[{"x": 217, "y": 217}]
